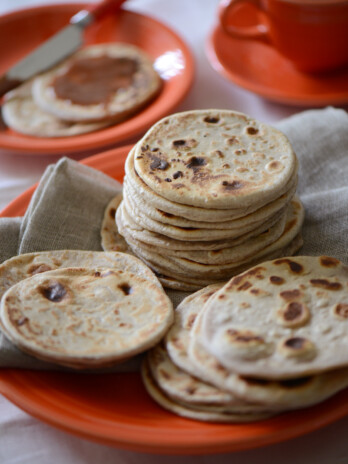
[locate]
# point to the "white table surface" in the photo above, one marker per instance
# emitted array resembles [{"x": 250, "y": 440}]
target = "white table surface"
[{"x": 24, "y": 439}]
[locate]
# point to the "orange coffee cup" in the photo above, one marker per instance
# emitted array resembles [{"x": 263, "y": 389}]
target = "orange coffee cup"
[{"x": 312, "y": 34}]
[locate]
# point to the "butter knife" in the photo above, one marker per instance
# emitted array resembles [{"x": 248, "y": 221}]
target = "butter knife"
[{"x": 60, "y": 46}]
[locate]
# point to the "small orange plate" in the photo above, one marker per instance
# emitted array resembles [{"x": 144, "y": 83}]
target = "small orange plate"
[
  {"x": 23, "y": 30},
  {"x": 258, "y": 67},
  {"x": 115, "y": 409}
]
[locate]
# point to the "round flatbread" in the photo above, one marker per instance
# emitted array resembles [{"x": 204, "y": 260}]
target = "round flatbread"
[
  {"x": 20, "y": 267},
  {"x": 215, "y": 159},
  {"x": 193, "y": 212},
  {"x": 203, "y": 414},
  {"x": 107, "y": 81},
  {"x": 83, "y": 317},
  {"x": 282, "y": 319},
  {"x": 21, "y": 114},
  {"x": 111, "y": 240}
]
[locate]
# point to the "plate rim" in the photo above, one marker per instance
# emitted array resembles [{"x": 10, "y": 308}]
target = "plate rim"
[
  {"x": 10, "y": 388},
  {"x": 24, "y": 144}
]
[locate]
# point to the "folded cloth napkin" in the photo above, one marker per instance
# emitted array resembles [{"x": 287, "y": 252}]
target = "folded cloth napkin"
[{"x": 67, "y": 207}]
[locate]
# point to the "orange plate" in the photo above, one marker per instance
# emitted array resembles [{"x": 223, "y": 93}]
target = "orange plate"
[
  {"x": 115, "y": 409},
  {"x": 258, "y": 67},
  {"x": 23, "y": 30}
]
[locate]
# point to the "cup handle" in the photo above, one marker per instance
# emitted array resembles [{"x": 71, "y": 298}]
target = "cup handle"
[{"x": 259, "y": 32}]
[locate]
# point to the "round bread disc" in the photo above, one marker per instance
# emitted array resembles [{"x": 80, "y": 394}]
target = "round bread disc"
[
  {"x": 111, "y": 240},
  {"x": 83, "y": 317},
  {"x": 22, "y": 114},
  {"x": 203, "y": 414},
  {"x": 107, "y": 81},
  {"x": 281, "y": 319},
  {"x": 134, "y": 181},
  {"x": 20, "y": 267},
  {"x": 215, "y": 159}
]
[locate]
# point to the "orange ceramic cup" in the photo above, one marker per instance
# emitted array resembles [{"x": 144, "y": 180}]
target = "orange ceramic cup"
[{"x": 312, "y": 34}]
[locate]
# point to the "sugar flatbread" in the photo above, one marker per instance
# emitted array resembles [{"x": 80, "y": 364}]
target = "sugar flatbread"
[
  {"x": 215, "y": 159},
  {"x": 124, "y": 101},
  {"x": 83, "y": 317},
  {"x": 282, "y": 319}
]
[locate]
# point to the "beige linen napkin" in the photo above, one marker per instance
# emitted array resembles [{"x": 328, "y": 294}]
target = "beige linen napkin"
[{"x": 67, "y": 208}]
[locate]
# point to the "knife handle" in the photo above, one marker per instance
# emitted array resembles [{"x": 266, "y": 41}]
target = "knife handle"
[{"x": 103, "y": 8}]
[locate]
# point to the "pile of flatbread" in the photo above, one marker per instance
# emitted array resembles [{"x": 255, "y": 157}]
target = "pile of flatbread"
[
  {"x": 207, "y": 194},
  {"x": 110, "y": 82},
  {"x": 82, "y": 309},
  {"x": 272, "y": 339}
]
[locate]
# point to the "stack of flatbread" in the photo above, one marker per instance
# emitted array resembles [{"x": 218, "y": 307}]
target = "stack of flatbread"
[
  {"x": 82, "y": 309},
  {"x": 272, "y": 339},
  {"x": 207, "y": 194},
  {"x": 98, "y": 86}
]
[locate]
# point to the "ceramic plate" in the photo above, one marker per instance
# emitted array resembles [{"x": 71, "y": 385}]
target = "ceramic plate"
[
  {"x": 115, "y": 409},
  {"x": 258, "y": 67},
  {"x": 24, "y": 30}
]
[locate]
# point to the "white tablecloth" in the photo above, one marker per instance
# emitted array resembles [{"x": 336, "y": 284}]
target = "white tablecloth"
[{"x": 24, "y": 439}]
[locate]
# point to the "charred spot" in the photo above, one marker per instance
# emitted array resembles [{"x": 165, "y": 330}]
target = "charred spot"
[
  {"x": 190, "y": 143},
  {"x": 219, "y": 153},
  {"x": 154, "y": 149},
  {"x": 295, "y": 343},
  {"x": 293, "y": 265},
  {"x": 112, "y": 213},
  {"x": 240, "y": 151},
  {"x": 54, "y": 291},
  {"x": 290, "y": 294},
  {"x": 126, "y": 289},
  {"x": 158, "y": 163},
  {"x": 38, "y": 268},
  {"x": 295, "y": 383},
  {"x": 342, "y": 310},
  {"x": 139, "y": 157},
  {"x": 276, "y": 280},
  {"x": 196, "y": 162},
  {"x": 232, "y": 140},
  {"x": 167, "y": 179},
  {"x": 244, "y": 286},
  {"x": 234, "y": 185},
  {"x": 289, "y": 225},
  {"x": 97, "y": 274},
  {"x": 251, "y": 130},
  {"x": 327, "y": 261},
  {"x": 255, "y": 291},
  {"x": 212, "y": 119},
  {"x": 293, "y": 311},
  {"x": 244, "y": 337},
  {"x": 222, "y": 297},
  {"x": 22, "y": 321},
  {"x": 165, "y": 214},
  {"x": 179, "y": 143},
  {"x": 177, "y": 174},
  {"x": 324, "y": 283},
  {"x": 226, "y": 166},
  {"x": 144, "y": 148}
]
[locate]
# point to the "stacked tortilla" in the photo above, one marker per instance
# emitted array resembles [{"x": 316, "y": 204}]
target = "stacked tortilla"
[
  {"x": 207, "y": 194},
  {"x": 272, "y": 339}
]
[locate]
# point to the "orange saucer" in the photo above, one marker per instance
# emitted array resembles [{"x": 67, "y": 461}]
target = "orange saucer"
[
  {"x": 25, "y": 29},
  {"x": 258, "y": 67}
]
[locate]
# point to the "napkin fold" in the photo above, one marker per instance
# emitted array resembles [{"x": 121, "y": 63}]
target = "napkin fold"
[{"x": 67, "y": 207}]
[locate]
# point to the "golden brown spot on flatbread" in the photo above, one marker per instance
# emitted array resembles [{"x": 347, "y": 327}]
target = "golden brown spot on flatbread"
[
  {"x": 289, "y": 225},
  {"x": 240, "y": 151},
  {"x": 324, "y": 283},
  {"x": 53, "y": 291},
  {"x": 293, "y": 315},
  {"x": 178, "y": 186},
  {"x": 212, "y": 119},
  {"x": 251, "y": 130},
  {"x": 184, "y": 144},
  {"x": 245, "y": 336},
  {"x": 38, "y": 268},
  {"x": 232, "y": 140},
  {"x": 244, "y": 286},
  {"x": 22, "y": 321},
  {"x": 112, "y": 213},
  {"x": 327, "y": 261},
  {"x": 191, "y": 320},
  {"x": 158, "y": 163},
  {"x": 165, "y": 374},
  {"x": 290, "y": 294},
  {"x": 293, "y": 265},
  {"x": 341, "y": 310},
  {"x": 177, "y": 174},
  {"x": 234, "y": 185},
  {"x": 276, "y": 280},
  {"x": 126, "y": 289},
  {"x": 273, "y": 165},
  {"x": 218, "y": 153},
  {"x": 293, "y": 311},
  {"x": 196, "y": 162}
]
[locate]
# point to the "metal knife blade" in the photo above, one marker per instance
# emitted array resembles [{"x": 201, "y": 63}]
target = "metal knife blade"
[{"x": 58, "y": 47}]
